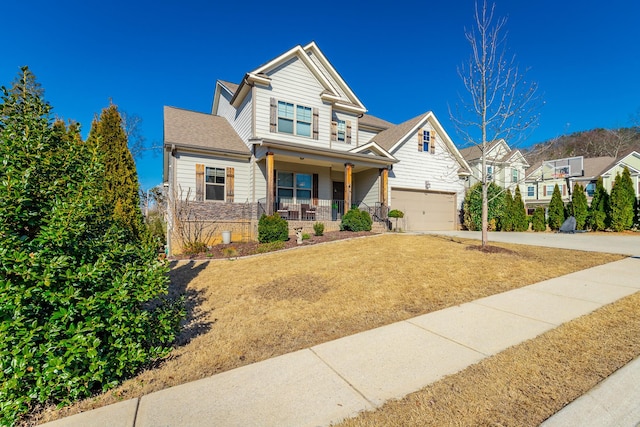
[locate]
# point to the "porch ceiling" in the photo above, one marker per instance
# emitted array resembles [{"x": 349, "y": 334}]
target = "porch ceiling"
[{"x": 297, "y": 154}]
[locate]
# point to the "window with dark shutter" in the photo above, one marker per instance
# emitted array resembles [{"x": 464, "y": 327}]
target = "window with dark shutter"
[
  {"x": 230, "y": 184},
  {"x": 348, "y": 132},
  {"x": 315, "y": 123},
  {"x": 420, "y": 145},
  {"x": 432, "y": 143},
  {"x": 334, "y": 131},
  {"x": 273, "y": 116}
]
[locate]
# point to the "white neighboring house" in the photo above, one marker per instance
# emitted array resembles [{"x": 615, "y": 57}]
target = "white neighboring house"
[
  {"x": 630, "y": 160},
  {"x": 293, "y": 139},
  {"x": 505, "y": 167}
]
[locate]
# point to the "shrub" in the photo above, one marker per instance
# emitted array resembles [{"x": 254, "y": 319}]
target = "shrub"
[
  {"x": 82, "y": 303},
  {"x": 272, "y": 228},
  {"x": 579, "y": 206},
  {"x": 556, "y": 209},
  {"x": 538, "y": 222},
  {"x": 395, "y": 213},
  {"x": 621, "y": 202},
  {"x": 356, "y": 220},
  {"x": 506, "y": 219},
  {"x": 520, "y": 218},
  {"x": 318, "y": 228},
  {"x": 306, "y": 236},
  {"x": 270, "y": 247},
  {"x": 194, "y": 248}
]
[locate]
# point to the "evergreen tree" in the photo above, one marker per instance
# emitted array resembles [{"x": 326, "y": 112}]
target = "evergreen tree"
[
  {"x": 506, "y": 220},
  {"x": 580, "y": 206},
  {"x": 520, "y": 219},
  {"x": 76, "y": 312},
  {"x": 556, "y": 210},
  {"x": 121, "y": 179},
  {"x": 538, "y": 221},
  {"x": 598, "y": 218},
  {"x": 473, "y": 206},
  {"x": 622, "y": 202}
]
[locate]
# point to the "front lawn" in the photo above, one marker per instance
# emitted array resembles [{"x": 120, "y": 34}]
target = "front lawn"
[{"x": 246, "y": 310}]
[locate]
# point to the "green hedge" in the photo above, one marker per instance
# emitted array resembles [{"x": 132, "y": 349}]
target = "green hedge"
[
  {"x": 272, "y": 228},
  {"x": 356, "y": 220}
]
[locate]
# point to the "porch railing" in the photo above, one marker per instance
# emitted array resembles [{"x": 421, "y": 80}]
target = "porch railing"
[{"x": 319, "y": 210}]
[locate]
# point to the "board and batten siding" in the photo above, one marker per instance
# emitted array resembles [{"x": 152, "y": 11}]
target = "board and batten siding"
[
  {"x": 417, "y": 168},
  {"x": 185, "y": 167},
  {"x": 239, "y": 119}
]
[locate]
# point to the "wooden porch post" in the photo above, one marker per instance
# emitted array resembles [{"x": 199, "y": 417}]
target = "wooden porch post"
[
  {"x": 384, "y": 187},
  {"x": 348, "y": 169},
  {"x": 270, "y": 184}
]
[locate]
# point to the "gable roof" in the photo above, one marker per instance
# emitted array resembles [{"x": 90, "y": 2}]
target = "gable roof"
[
  {"x": 620, "y": 160},
  {"x": 392, "y": 138},
  {"x": 596, "y": 166},
  {"x": 192, "y": 129},
  {"x": 367, "y": 120},
  {"x": 328, "y": 78},
  {"x": 475, "y": 151}
]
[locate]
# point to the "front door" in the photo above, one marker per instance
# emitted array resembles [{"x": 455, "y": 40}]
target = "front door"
[{"x": 337, "y": 204}]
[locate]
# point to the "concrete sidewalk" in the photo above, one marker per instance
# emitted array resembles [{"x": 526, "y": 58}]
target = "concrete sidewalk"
[{"x": 335, "y": 380}]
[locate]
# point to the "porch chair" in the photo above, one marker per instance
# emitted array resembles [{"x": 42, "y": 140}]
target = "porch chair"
[{"x": 308, "y": 213}]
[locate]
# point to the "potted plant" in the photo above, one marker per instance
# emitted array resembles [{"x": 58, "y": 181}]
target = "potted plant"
[{"x": 395, "y": 213}]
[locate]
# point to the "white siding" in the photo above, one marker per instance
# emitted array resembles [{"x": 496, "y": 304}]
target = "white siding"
[
  {"x": 239, "y": 119},
  {"x": 293, "y": 82},
  {"x": 367, "y": 187},
  {"x": 186, "y": 174},
  {"x": 329, "y": 77},
  {"x": 365, "y": 135},
  {"x": 425, "y": 171}
]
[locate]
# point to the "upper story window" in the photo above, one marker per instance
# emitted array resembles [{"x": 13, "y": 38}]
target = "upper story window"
[
  {"x": 214, "y": 183},
  {"x": 489, "y": 173},
  {"x": 341, "y": 126},
  {"x": 591, "y": 189},
  {"x": 514, "y": 175},
  {"x": 294, "y": 119},
  {"x": 426, "y": 140},
  {"x": 531, "y": 191}
]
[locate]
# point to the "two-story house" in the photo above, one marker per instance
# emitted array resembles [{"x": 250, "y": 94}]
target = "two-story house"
[
  {"x": 630, "y": 160},
  {"x": 504, "y": 166},
  {"x": 293, "y": 139},
  {"x": 543, "y": 176}
]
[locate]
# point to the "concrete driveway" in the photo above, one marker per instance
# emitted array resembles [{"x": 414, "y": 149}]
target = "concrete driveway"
[{"x": 615, "y": 243}]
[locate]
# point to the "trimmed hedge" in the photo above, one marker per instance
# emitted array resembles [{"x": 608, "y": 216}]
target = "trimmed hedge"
[
  {"x": 272, "y": 228},
  {"x": 356, "y": 220}
]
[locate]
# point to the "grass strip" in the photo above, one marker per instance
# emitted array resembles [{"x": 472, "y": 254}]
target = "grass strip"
[{"x": 527, "y": 383}]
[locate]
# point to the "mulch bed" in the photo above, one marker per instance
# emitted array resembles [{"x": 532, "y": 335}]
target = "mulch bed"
[{"x": 238, "y": 249}]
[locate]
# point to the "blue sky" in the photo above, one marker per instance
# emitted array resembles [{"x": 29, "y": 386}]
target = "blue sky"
[{"x": 400, "y": 57}]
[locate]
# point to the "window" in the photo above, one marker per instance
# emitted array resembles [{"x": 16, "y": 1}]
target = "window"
[
  {"x": 342, "y": 129},
  {"x": 531, "y": 191},
  {"x": 591, "y": 189},
  {"x": 514, "y": 175},
  {"x": 294, "y": 119},
  {"x": 285, "y": 117},
  {"x": 489, "y": 173},
  {"x": 549, "y": 191},
  {"x": 426, "y": 140},
  {"x": 294, "y": 187},
  {"x": 214, "y": 183}
]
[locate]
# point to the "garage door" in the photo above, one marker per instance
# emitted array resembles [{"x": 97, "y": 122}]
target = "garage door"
[{"x": 424, "y": 210}]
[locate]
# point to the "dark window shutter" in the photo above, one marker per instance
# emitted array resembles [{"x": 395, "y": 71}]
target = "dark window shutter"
[
  {"x": 334, "y": 131},
  {"x": 230, "y": 184},
  {"x": 199, "y": 182},
  {"x": 348, "y": 132},
  {"x": 273, "y": 116},
  {"x": 419, "y": 139},
  {"x": 432, "y": 143},
  {"x": 315, "y": 123},
  {"x": 315, "y": 189}
]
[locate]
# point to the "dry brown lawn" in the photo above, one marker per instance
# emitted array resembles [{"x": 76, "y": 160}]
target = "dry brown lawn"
[{"x": 251, "y": 309}]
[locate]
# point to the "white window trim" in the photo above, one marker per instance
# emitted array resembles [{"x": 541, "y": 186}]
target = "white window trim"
[
  {"x": 426, "y": 141},
  {"x": 223, "y": 185},
  {"x": 342, "y": 131},
  {"x": 295, "y": 119}
]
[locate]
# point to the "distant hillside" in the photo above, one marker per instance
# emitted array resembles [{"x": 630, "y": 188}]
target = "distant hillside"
[{"x": 592, "y": 143}]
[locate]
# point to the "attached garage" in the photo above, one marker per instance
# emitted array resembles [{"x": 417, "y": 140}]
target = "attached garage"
[{"x": 425, "y": 210}]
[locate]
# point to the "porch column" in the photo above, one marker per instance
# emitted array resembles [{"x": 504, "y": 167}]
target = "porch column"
[
  {"x": 384, "y": 187},
  {"x": 270, "y": 184},
  {"x": 348, "y": 169}
]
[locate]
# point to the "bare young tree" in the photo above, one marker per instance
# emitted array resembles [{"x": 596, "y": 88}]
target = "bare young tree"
[
  {"x": 500, "y": 102},
  {"x": 132, "y": 126}
]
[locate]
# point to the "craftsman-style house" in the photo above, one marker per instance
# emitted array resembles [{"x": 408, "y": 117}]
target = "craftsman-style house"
[{"x": 293, "y": 139}]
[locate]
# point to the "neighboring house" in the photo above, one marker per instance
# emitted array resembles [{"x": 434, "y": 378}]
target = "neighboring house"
[
  {"x": 542, "y": 177},
  {"x": 630, "y": 160},
  {"x": 293, "y": 139},
  {"x": 505, "y": 167}
]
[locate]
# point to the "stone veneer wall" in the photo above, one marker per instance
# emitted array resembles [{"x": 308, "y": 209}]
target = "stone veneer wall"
[{"x": 242, "y": 220}]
